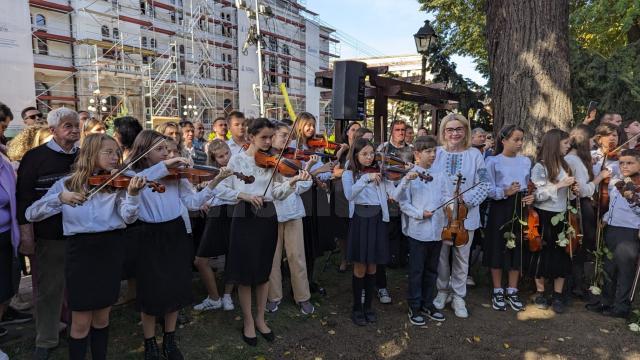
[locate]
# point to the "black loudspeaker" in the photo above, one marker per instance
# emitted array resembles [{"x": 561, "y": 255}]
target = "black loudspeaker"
[{"x": 348, "y": 90}]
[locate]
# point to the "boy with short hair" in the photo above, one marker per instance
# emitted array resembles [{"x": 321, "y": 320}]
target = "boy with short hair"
[
  {"x": 422, "y": 224},
  {"x": 621, "y": 238}
]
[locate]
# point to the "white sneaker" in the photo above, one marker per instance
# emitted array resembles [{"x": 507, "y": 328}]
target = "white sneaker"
[
  {"x": 3, "y": 356},
  {"x": 441, "y": 300},
  {"x": 227, "y": 303},
  {"x": 470, "y": 281},
  {"x": 383, "y": 296},
  {"x": 459, "y": 307},
  {"x": 208, "y": 304}
]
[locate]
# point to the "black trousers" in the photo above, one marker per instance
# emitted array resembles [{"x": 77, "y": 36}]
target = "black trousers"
[
  {"x": 621, "y": 270},
  {"x": 397, "y": 243},
  {"x": 423, "y": 272}
]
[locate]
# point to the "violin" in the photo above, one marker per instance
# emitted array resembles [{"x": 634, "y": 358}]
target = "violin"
[
  {"x": 322, "y": 143},
  {"x": 575, "y": 238},
  {"x": 456, "y": 215},
  {"x": 201, "y": 173},
  {"x": 603, "y": 187},
  {"x": 390, "y": 159},
  {"x": 286, "y": 167},
  {"x": 629, "y": 188},
  {"x": 304, "y": 155},
  {"x": 534, "y": 238},
  {"x": 121, "y": 182}
]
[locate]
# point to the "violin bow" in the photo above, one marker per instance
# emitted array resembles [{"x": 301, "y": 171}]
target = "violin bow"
[
  {"x": 125, "y": 168},
  {"x": 453, "y": 198}
]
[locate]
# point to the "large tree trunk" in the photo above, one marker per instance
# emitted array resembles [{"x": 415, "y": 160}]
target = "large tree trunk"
[{"x": 528, "y": 46}]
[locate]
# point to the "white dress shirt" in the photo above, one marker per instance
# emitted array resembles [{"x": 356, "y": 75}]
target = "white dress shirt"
[
  {"x": 547, "y": 195},
  {"x": 104, "y": 211},
  {"x": 292, "y": 206},
  {"x": 234, "y": 148},
  {"x": 504, "y": 170},
  {"x": 365, "y": 192},
  {"x": 279, "y": 188},
  {"x": 580, "y": 172},
  {"x": 621, "y": 213}
]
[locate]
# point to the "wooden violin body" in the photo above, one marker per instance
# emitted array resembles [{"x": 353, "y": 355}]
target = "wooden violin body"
[
  {"x": 456, "y": 214},
  {"x": 575, "y": 239},
  {"x": 322, "y": 143},
  {"x": 121, "y": 182},
  {"x": 629, "y": 188},
  {"x": 534, "y": 239},
  {"x": 201, "y": 173}
]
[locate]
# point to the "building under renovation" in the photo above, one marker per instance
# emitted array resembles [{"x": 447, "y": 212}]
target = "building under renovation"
[{"x": 196, "y": 59}]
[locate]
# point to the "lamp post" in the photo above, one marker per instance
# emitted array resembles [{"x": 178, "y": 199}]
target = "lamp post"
[
  {"x": 97, "y": 104},
  {"x": 190, "y": 110},
  {"x": 424, "y": 38}
]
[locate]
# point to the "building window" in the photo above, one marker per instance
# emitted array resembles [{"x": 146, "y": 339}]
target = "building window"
[
  {"x": 116, "y": 34},
  {"x": 273, "y": 68},
  {"x": 42, "y": 89},
  {"x": 143, "y": 42},
  {"x": 285, "y": 72},
  {"x": 41, "y": 47},
  {"x": 285, "y": 49},
  {"x": 143, "y": 7},
  {"x": 114, "y": 4},
  {"x": 41, "y": 21},
  {"x": 227, "y": 105},
  {"x": 105, "y": 32},
  {"x": 228, "y": 17},
  {"x": 273, "y": 43},
  {"x": 153, "y": 43}
]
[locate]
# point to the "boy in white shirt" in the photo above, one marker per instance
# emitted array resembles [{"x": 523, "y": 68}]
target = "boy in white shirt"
[{"x": 419, "y": 194}]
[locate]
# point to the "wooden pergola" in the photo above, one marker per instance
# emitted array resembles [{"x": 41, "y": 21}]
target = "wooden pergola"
[{"x": 381, "y": 88}]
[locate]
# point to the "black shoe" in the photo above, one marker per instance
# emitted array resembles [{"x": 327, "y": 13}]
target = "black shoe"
[
  {"x": 415, "y": 318},
  {"x": 3, "y": 331},
  {"x": 170, "y": 349},
  {"x": 251, "y": 341},
  {"x": 358, "y": 318},
  {"x": 498, "y": 301},
  {"x": 541, "y": 302},
  {"x": 13, "y": 316},
  {"x": 615, "y": 313},
  {"x": 151, "y": 351},
  {"x": 370, "y": 315},
  {"x": 557, "y": 305},
  {"x": 41, "y": 354},
  {"x": 514, "y": 301},
  {"x": 270, "y": 337},
  {"x": 432, "y": 313},
  {"x": 598, "y": 307}
]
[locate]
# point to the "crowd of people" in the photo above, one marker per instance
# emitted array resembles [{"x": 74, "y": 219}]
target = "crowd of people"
[{"x": 90, "y": 210}]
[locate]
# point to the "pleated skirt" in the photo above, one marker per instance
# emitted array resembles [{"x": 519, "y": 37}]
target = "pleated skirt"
[
  {"x": 552, "y": 261},
  {"x": 215, "y": 236},
  {"x": 368, "y": 240},
  {"x": 496, "y": 254}
]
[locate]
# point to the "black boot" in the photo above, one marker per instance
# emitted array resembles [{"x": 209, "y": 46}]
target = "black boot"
[
  {"x": 99, "y": 343},
  {"x": 77, "y": 348},
  {"x": 369, "y": 288},
  {"x": 151, "y": 351},
  {"x": 357, "y": 314},
  {"x": 170, "y": 348}
]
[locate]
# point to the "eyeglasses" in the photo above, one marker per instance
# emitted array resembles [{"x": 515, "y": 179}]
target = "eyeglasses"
[
  {"x": 34, "y": 116},
  {"x": 454, "y": 130},
  {"x": 110, "y": 153}
]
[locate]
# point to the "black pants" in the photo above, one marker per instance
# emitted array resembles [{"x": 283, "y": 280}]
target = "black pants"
[
  {"x": 397, "y": 243},
  {"x": 423, "y": 272},
  {"x": 621, "y": 270}
]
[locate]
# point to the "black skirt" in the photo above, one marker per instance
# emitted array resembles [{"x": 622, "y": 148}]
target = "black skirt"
[
  {"x": 317, "y": 223},
  {"x": 132, "y": 235},
  {"x": 215, "y": 237},
  {"x": 9, "y": 268},
  {"x": 496, "y": 254},
  {"x": 93, "y": 269},
  {"x": 552, "y": 261},
  {"x": 164, "y": 268},
  {"x": 252, "y": 244},
  {"x": 368, "y": 240},
  {"x": 339, "y": 211}
]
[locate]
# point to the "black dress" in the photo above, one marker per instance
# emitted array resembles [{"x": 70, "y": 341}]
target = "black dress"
[
  {"x": 368, "y": 240},
  {"x": 93, "y": 269},
  {"x": 9, "y": 268},
  {"x": 215, "y": 237},
  {"x": 253, "y": 237},
  {"x": 552, "y": 261}
]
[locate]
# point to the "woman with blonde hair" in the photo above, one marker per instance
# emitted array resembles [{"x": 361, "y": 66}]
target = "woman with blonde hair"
[
  {"x": 456, "y": 156},
  {"x": 92, "y": 126}
]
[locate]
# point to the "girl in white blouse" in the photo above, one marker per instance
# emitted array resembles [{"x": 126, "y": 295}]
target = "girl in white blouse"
[
  {"x": 254, "y": 228},
  {"x": 95, "y": 250},
  {"x": 368, "y": 240},
  {"x": 509, "y": 174},
  {"x": 456, "y": 156},
  {"x": 607, "y": 140},
  {"x": 552, "y": 177},
  {"x": 166, "y": 250},
  {"x": 580, "y": 162}
]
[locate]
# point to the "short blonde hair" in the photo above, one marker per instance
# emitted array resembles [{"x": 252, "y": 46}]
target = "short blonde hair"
[{"x": 465, "y": 123}]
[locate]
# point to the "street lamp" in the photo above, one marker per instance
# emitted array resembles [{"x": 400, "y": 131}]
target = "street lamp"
[{"x": 425, "y": 38}]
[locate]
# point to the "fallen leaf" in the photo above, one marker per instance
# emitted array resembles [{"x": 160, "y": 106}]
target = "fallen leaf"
[
  {"x": 486, "y": 305},
  {"x": 287, "y": 353},
  {"x": 333, "y": 313},
  {"x": 237, "y": 318},
  {"x": 561, "y": 339},
  {"x": 331, "y": 332},
  {"x": 323, "y": 323},
  {"x": 476, "y": 338},
  {"x": 604, "y": 331},
  {"x": 506, "y": 346},
  {"x": 378, "y": 331}
]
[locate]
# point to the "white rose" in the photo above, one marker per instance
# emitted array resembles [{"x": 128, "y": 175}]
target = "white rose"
[
  {"x": 595, "y": 290},
  {"x": 634, "y": 327}
]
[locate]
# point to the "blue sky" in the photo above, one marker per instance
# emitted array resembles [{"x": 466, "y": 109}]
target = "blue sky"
[{"x": 386, "y": 25}]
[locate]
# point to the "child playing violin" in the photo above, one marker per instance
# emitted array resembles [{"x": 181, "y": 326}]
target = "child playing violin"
[
  {"x": 621, "y": 238},
  {"x": 254, "y": 228},
  {"x": 509, "y": 175},
  {"x": 215, "y": 237},
  {"x": 95, "y": 248},
  {"x": 290, "y": 237},
  {"x": 422, "y": 225},
  {"x": 166, "y": 252},
  {"x": 368, "y": 243},
  {"x": 552, "y": 177}
]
